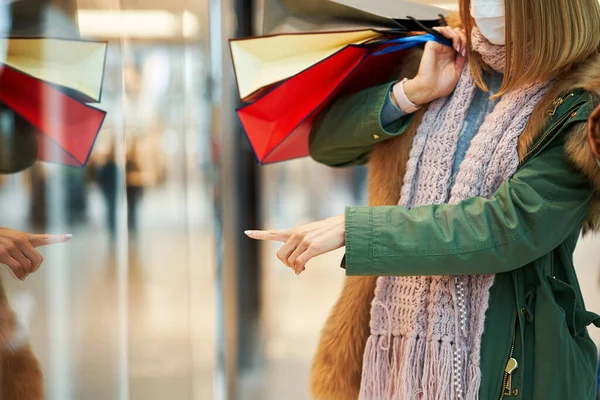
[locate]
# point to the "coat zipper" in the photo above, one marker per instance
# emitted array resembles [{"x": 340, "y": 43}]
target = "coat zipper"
[
  {"x": 556, "y": 125},
  {"x": 557, "y": 104},
  {"x": 511, "y": 365}
]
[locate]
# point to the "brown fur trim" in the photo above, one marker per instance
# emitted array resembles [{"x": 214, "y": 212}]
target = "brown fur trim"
[
  {"x": 586, "y": 76},
  {"x": 20, "y": 373},
  {"x": 337, "y": 366},
  {"x": 592, "y": 224},
  {"x": 578, "y": 152}
]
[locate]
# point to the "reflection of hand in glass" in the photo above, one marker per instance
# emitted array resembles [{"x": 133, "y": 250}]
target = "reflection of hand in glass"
[{"x": 17, "y": 250}]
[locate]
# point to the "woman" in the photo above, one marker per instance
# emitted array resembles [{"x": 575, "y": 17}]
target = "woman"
[{"x": 480, "y": 183}]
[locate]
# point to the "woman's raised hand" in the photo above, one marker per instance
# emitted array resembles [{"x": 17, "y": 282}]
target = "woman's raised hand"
[{"x": 440, "y": 69}]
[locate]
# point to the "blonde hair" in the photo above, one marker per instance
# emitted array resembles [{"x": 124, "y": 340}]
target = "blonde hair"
[{"x": 561, "y": 33}]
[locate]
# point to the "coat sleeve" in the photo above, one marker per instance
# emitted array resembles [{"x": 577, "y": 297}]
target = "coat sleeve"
[
  {"x": 345, "y": 133},
  {"x": 529, "y": 215}
]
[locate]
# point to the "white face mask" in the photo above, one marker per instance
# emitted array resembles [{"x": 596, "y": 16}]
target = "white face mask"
[{"x": 489, "y": 16}]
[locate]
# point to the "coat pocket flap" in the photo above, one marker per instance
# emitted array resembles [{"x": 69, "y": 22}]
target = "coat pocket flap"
[
  {"x": 585, "y": 318},
  {"x": 577, "y": 318}
]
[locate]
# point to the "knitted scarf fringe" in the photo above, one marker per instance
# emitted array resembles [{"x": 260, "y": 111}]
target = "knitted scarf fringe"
[{"x": 390, "y": 374}]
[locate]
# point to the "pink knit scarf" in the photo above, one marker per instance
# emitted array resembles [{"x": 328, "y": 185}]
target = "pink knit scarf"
[{"x": 426, "y": 331}]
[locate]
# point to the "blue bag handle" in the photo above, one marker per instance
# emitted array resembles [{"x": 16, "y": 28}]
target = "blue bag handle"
[{"x": 408, "y": 42}]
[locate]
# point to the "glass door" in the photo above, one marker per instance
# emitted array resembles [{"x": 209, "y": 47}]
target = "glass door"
[{"x": 125, "y": 309}]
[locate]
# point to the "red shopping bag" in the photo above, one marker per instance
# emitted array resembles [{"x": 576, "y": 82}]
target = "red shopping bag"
[
  {"x": 68, "y": 128},
  {"x": 279, "y": 121}
]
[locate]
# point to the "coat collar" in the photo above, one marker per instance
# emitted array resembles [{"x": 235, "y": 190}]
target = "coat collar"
[{"x": 586, "y": 78}]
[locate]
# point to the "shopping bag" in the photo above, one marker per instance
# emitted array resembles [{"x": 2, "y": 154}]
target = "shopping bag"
[
  {"x": 293, "y": 16},
  {"x": 260, "y": 62},
  {"x": 278, "y": 121},
  {"x": 75, "y": 67},
  {"x": 67, "y": 127},
  {"x": 263, "y": 61}
]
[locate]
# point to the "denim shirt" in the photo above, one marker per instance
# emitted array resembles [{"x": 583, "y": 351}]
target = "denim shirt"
[{"x": 480, "y": 107}]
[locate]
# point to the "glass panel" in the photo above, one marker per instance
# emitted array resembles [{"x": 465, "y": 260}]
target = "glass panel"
[
  {"x": 125, "y": 309},
  {"x": 298, "y": 192}
]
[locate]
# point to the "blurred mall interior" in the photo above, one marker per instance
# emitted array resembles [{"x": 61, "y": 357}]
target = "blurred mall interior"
[{"x": 159, "y": 295}]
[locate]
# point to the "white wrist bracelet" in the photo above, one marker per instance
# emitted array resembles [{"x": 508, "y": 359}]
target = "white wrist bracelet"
[{"x": 403, "y": 102}]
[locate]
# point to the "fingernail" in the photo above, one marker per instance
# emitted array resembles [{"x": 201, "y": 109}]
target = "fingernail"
[
  {"x": 458, "y": 49},
  {"x": 464, "y": 52},
  {"x": 69, "y": 235},
  {"x": 248, "y": 232}
]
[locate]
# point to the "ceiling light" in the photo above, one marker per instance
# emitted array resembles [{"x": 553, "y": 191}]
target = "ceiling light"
[{"x": 143, "y": 24}]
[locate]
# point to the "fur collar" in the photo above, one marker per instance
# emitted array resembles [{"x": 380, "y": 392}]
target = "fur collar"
[{"x": 577, "y": 150}]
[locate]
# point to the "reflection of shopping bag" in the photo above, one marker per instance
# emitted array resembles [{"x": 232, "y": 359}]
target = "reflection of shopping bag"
[
  {"x": 46, "y": 82},
  {"x": 68, "y": 128},
  {"x": 74, "y": 66},
  {"x": 278, "y": 118}
]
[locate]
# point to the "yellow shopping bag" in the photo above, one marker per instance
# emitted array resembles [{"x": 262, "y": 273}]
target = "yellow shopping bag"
[
  {"x": 262, "y": 61},
  {"x": 74, "y": 65}
]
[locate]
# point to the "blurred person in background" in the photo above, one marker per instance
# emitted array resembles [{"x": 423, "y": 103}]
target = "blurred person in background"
[
  {"x": 359, "y": 181},
  {"x": 76, "y": 195},
  {"x": 144, "y": 167},
  {"x": 38, "y": 218},
  {"x": 461, "y": 279},
  {"x": 107, "y": 174},
  {"x": 134, "y": 183}
]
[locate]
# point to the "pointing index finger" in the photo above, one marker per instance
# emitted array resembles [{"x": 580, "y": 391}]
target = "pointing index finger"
[{"x": 276, "y": 235}]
